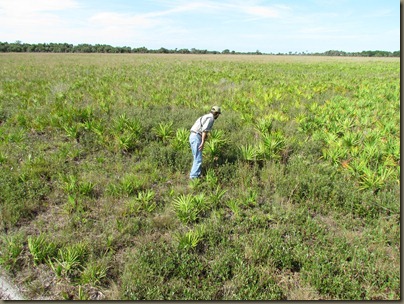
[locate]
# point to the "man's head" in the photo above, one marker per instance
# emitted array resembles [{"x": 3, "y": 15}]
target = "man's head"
[{"x": 216, "y": 111}]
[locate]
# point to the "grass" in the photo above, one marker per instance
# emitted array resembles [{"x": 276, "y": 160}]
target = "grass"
[{"x": 299, "y": 199}]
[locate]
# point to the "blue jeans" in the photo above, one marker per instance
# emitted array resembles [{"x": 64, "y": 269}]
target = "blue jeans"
[{"x": 195, "y": 141}]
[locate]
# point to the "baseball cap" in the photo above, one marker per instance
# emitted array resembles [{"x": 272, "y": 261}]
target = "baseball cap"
[{"x": 216, "y": 109}]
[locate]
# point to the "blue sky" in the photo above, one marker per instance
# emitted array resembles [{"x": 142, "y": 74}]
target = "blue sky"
[{"x": 270, "y": 26}]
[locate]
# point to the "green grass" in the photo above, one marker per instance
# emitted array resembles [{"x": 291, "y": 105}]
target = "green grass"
[{"x": 299, "y": 199}]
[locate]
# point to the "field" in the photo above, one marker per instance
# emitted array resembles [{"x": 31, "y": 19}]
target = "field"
[{"x": 300, "y": 195}]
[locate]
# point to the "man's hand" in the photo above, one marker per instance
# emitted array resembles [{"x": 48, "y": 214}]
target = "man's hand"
[{"x": 204, "y": 136}]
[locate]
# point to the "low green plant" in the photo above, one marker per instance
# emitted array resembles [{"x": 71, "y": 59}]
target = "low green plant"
[
  {"x": 94, "y": 272},
  {"x": 190, "y": 239},
  {"x": 144, "y": 200},
  {"x": 69, "y": 259},
  {"x": 12, "y": 246},
  {"x": 72, "y": 131},
  {"x": 81, "y": 294},
  {"x": 186, "y": 207},
  {"x": 217, "y": 195},
  {"x": 41, "y": 248},
  {"x": 3, "y": 157},
  {"x": 164, "y": 131},
  {"x": 180, "y": 140},
  {"x": 272, "y": 144},
  {"x": 147, "y": 197},
  {"x": 86, "y": 188},
  {"x": 374, "y": 180},
  {"x": 211, "y": 178},
  {"x": 264, "y": 125},
  {"x": 248, "y": 153},
  {"x": 74, "y": 205},
  {"x": 125, "y": 142},
  {"x": 129, "y": 184},
  {"x": 70, "y": 183},
  {"x": 234, "y": 206}
]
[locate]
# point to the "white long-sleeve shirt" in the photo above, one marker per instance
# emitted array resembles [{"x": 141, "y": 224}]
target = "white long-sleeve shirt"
[{"x": 203, "y": 124}]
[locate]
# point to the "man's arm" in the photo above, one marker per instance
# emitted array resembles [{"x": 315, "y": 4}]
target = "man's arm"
[{"x": 204, "y": 136}]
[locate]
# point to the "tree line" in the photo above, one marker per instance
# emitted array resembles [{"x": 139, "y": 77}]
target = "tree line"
[{"x": 19, "y": 47}]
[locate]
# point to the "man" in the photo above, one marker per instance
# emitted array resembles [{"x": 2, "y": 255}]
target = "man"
[{"x": 197, "y": 138}]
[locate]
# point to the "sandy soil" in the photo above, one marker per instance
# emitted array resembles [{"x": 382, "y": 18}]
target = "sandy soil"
[{"x": 8, "y": 291}]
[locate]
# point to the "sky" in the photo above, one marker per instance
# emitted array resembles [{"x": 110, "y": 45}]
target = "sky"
[{"x": 268, "y": 26}]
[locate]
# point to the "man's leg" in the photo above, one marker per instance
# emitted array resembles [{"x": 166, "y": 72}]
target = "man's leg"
[{"x": 195, "y": 141}]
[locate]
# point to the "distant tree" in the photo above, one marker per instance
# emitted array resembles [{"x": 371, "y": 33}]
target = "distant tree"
[
  {"x": 140, "y": 50},
  {"x": 18, "y": 46},
  {"x": 183, "y": 51},
  {"x": 163, "y": 50}
]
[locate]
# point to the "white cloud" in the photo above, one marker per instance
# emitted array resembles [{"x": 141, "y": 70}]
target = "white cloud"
[
  {"x": 21, "y": 18},
  {"x": 22, "y": 7},
  {"x": 111, "y": 19}
]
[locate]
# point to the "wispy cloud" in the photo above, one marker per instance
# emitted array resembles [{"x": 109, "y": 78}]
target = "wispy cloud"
[
  {"x": 22, "y": 7},
  {"x": 200, "y": 9},
  {"x": 28, "y": 16}
]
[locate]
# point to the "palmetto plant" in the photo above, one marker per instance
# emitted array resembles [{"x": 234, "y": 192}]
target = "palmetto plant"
[
  {"x": 211, "y": 178},
  {"x": 273, "y": 143},
  {"x": 351, "y": 139},
  {"x": 73, "y": 205},
  {"x": 213, "y": 148},
  {"x": 3, "y": 157},
  {"x": 120, "y": 123},
  {"x": 374, "y": 180},
  {"x": 12, "y": 248},
  {"x": 94, "y": 272},
  {"x": 86, "y": 188},
  {"x": 180, "y": 140},
  {"x": 164, "y": 131},
  {"x": 217, "y": 195},
  {"x": 125, "y": 133},
  {"x": 189, "y": 240},
  {"x": 146, "y": 200},
  {"x": 69, "y": 259},
  {"x": 334, "y": 154},
  {"x": 16, "y": 136},
  {"x": 125, "y": 141},
  {"x": 264, "y": 125},
  {"x": 215, "y": 144},
  {"x": 234, "y": 206},
  {"x": 41, "y": 248},
  {"x": 188, "y": 207},
  {"x": 129, "y": 184},
  {"x": 248, "y": 152},
  {"x": 217, "y": 135},
  {"x": 72, "y": 130},
  {"x": 70, "y": 183}
]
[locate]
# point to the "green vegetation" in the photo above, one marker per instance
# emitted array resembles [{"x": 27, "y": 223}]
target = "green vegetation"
[
  {"x": 299, "y": 199},
  {"x": 18, "y": 47}
]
